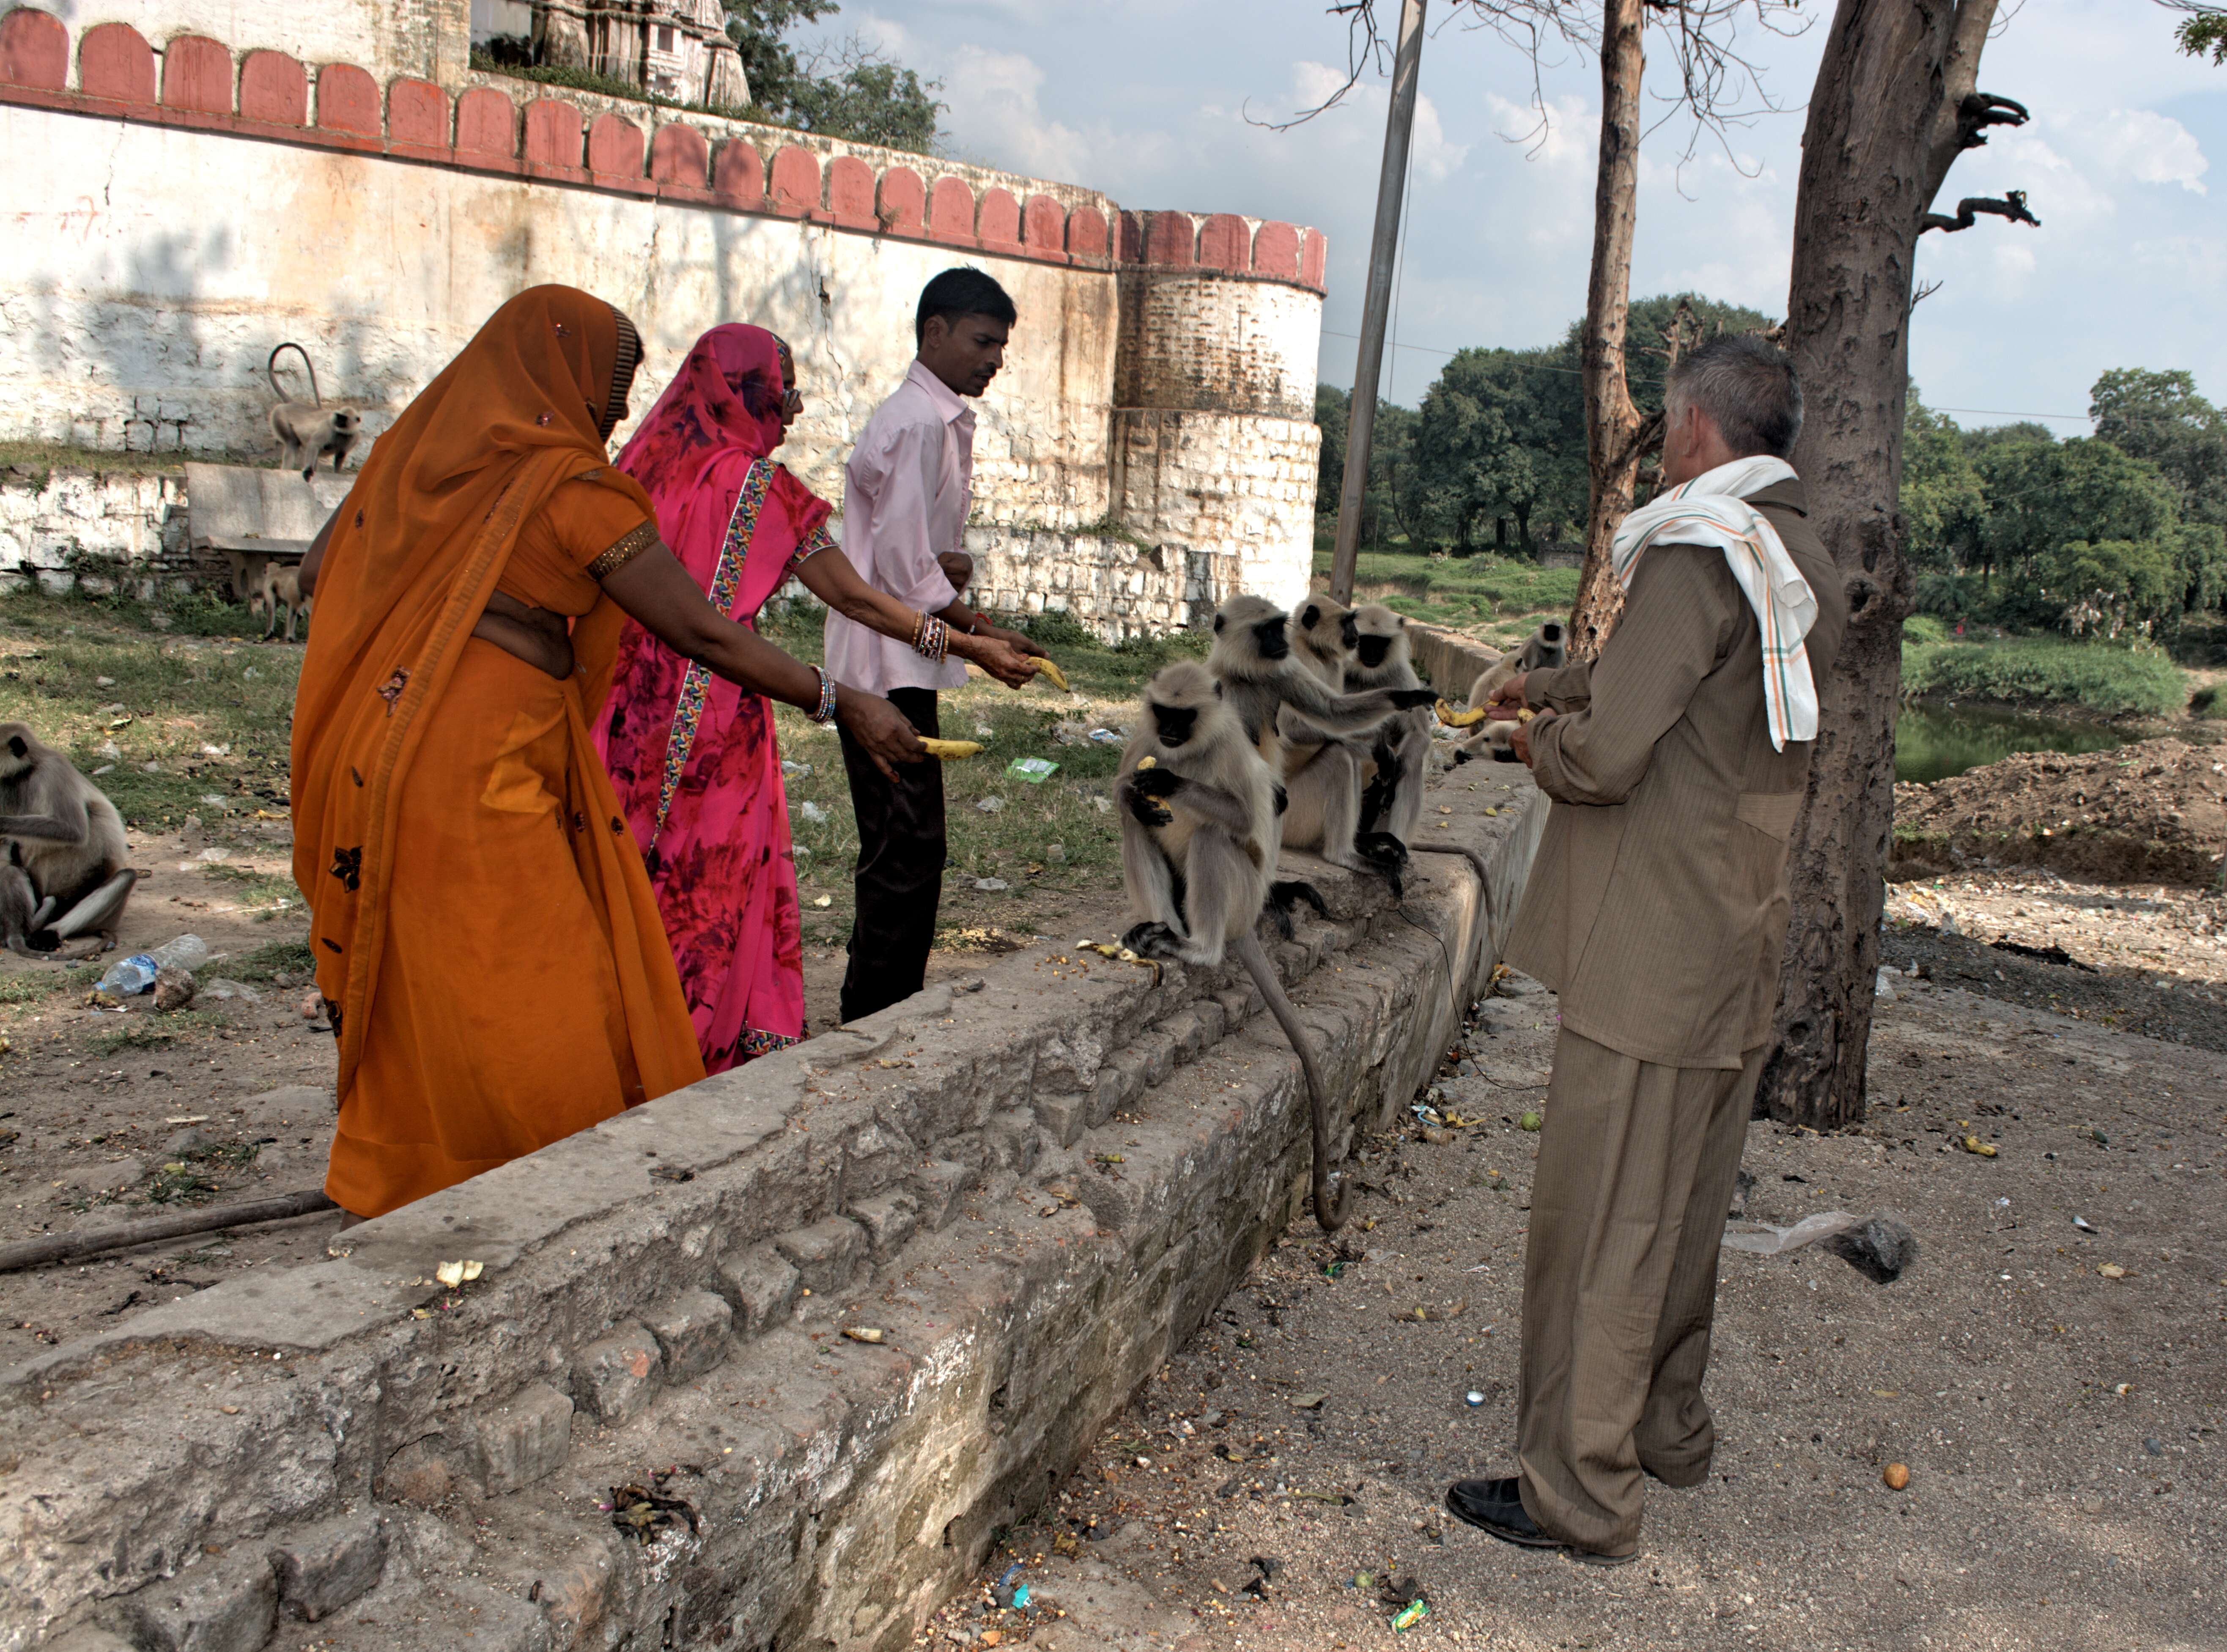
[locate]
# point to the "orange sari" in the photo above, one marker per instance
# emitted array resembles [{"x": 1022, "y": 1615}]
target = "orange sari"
[{"x": 487, "y": 941}]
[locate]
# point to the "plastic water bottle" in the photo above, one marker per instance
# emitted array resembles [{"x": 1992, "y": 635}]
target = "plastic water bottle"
[
  {"x": 128, "y": 976},
  {"x": 187, "y": 952}
]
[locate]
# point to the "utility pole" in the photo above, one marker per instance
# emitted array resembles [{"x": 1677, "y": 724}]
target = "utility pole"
[{"x": 1376, "y": 304}]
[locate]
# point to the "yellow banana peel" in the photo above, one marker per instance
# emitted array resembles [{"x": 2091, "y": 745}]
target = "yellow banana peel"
[
  {"x": 1454, "y": 719},
  {"x": 1148, "y": 762}
]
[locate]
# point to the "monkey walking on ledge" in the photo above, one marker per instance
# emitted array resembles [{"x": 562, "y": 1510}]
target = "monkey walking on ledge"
[{"x": 1199, "y": 812}]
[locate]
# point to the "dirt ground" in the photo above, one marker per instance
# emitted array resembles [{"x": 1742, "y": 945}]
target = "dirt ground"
[{"x": 2061, "y": 1424}]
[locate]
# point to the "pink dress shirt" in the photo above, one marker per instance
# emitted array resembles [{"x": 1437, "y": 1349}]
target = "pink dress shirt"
[{"x": 906, "y": 493}]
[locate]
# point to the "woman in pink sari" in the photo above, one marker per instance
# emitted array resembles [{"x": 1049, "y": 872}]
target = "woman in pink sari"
[{"x": 691, "y": 756}]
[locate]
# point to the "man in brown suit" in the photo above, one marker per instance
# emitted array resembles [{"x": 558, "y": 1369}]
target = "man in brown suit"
[{"x": 1656, "y": 908}]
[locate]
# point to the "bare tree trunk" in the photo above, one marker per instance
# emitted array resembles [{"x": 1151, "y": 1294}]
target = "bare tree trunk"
[
  {"x": 1613, "y": 427},
  {"x": 1893, "y": 105}
]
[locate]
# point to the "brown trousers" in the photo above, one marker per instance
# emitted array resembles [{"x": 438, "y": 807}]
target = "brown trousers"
[{"x": 1636, "y": 1164}]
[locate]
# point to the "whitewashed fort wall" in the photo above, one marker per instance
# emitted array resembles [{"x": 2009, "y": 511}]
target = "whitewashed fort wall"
[{"x": 178, "y": 207}]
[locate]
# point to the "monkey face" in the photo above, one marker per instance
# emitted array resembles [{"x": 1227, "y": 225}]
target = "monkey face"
[
  {"x": 17, "y": 746},
  {"x": 1268, "y": 637},
  {"x": 1372, "y": 650},
  {"x": 1349, "y": 633},
  {"x": 1176, "y": 724}
]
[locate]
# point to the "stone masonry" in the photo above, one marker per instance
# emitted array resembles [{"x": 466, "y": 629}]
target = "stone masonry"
[{"x": 1025, "y": 1189}]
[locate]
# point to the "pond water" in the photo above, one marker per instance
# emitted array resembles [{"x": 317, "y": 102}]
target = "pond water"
[{"x": 1934, "y": 740}]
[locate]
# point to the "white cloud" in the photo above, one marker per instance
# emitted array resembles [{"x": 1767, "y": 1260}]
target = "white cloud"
[
  {"x": 1363, "y": 108},
  {"x": 2148, "y": 147}
]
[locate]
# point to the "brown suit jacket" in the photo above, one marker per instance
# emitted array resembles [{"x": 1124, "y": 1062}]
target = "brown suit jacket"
[{"x": 1657, "y": 904}]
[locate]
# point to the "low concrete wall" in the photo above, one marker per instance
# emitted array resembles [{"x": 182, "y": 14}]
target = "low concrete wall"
[
  {"x": 1448, "y": 661},
  {"x": 1034, "y": 1187}
]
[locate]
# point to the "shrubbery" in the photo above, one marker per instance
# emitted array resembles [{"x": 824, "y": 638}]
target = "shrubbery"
[{"x": 2039, "y": 670}]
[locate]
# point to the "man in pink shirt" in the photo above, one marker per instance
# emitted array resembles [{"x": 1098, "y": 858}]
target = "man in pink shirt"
[{"x": 906, "y": 495}]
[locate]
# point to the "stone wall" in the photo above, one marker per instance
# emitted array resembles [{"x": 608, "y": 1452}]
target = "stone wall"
[
  {"x": 670, "y": 1291},
  {"x": 69, "y": 528},
  {"x": 177, "y": 215}
]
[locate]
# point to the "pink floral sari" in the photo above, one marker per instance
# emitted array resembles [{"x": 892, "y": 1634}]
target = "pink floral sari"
[{"x": 692, "y": 757}]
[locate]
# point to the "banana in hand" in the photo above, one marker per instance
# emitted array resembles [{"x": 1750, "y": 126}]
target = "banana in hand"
[{"x": 948, "y": 749}]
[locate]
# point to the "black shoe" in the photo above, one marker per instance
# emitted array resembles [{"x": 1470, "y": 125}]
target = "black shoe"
[{"x": 1497, "y": 1505}]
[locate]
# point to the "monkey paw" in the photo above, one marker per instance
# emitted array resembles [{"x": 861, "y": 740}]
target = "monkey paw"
[
  {"x": 1154, "y": 941},
  {"x": 1156, "y": 782},
  {"x": 1408, "y": 698}
]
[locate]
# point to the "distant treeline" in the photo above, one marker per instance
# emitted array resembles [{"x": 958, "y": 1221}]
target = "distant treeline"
[{"x": 2124, "y": 531}]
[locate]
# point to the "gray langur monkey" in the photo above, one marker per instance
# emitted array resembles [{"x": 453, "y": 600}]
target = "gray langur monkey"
[
  {"x": 306, "y": 430},
  {"x": 1198, "y": 810},
  {"x": 281, "y": 588},
  {"x": 67, "y": 839},
  {"x": 1547, "y": 649},
  {"x": 1400, "y": 760},
  {"x": 18, "y": 903},
  {"x": 1265, "y": 686}
]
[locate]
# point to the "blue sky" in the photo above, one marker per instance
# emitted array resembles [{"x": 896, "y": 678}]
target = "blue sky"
[{"x": 1149, "y": 100}]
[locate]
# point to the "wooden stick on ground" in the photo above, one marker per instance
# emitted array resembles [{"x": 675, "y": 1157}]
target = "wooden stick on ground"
[{"x": 63, "y": 1247}]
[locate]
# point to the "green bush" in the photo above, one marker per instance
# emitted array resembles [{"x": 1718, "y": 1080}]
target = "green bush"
[
  {"x": 2208, "y": 701},
  {"x": 2041, "y": 670},
  {"x": 1924, "y": 627}
]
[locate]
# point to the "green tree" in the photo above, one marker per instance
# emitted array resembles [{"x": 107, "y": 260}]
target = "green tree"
[
  {"x": 2045, "y": 494},
  {"x": 2159, "y": 417},
  {"x": 1943, "y": 501},
  {"x": 1385, "y": 505},
  {"x": 1501, "y": 438},
  {"x": 862, "y": 96}
]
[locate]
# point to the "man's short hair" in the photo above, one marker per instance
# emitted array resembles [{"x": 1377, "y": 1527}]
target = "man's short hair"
[
  {"x": 1748, "y": 385},
  {"x": 959, "y": 292}
]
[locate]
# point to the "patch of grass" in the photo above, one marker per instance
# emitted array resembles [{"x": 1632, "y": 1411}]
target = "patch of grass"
[
  {"x": 2098, "y": 677},
  {"x": 31, "y": 985},
  {"x": 265, "y": 893},
  {"x": 40, "y": 459},
  {"x": 203, "y": 712},
  {"x": 2208, "y": 701},
  {"x": 1924, "y": 627},
  {"x": 285, "y": 963},
  {"x": 152, "y": 1032},
  {"x": 1012, "y": 843},
  {"x": 1485, "y": 596}
]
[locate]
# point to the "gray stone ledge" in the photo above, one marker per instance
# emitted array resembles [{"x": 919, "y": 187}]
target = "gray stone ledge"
[{"x": 1024, "y": 1287}]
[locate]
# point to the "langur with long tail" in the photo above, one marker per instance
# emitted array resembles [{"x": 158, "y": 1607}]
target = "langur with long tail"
[
  {"x": 1198, "y": 809},
  {"x": 1399, "y": 759}
]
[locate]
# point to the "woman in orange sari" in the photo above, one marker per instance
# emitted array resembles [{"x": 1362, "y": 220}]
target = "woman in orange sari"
[{"x": 487, "y": 941}]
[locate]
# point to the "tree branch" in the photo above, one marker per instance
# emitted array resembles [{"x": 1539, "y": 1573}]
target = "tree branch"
[{"x": 2013, "y": 207}]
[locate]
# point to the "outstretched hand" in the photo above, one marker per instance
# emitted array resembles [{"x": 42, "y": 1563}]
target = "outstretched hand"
[
  {"x": 1507, "y": 699},
  {"x": 879, "y": 728},
  {"x": 998, "y": 657}
]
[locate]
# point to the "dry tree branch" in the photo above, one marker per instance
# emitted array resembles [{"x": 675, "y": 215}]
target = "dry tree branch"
[{"x": 2012, "y": 205}]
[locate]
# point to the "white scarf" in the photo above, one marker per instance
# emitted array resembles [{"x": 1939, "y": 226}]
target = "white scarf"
[{"x": 1712, "y": 509}]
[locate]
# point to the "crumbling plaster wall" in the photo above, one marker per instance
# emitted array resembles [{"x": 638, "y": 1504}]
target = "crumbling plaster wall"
[{"x": 184, "y": 207}]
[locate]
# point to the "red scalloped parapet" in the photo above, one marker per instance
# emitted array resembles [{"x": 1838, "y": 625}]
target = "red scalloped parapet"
[
  {"x": 274, "y": 89},
  {"x": 614, "y": 148},
  {"x": 197, "y": 75},
  {"x": 793, "y": 185},
  {"x": 951, "y": 211},
  {"x": 347, "y": 100},
  {"x": 900, "y": 203},
  {"x": 738, "y": 175},
  {"x": 998, "y": 223},
  {"x": 34, "y": 51},
  {"x": 114, "y": 60},
  {"x": 851, "y": 192},
  {"x": 678, "y": 155},
  {"x": 553, "y": 135},
  {"x": 195, "y": 82}
]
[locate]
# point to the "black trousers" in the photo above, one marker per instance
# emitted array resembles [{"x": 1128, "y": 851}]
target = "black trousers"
[{"x": 900, "y": 877}]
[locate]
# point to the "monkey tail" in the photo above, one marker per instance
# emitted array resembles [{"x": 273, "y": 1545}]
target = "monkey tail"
[
  {"x": 1329, "y": 1191},
  {"x": 1483, "y": 872},
  {"x": 271, "y": 372}
]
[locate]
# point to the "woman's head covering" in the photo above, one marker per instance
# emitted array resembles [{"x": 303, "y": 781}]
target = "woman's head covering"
[
  {"x": 416, "y": 549},
  {"x": 728, "y": 394}
]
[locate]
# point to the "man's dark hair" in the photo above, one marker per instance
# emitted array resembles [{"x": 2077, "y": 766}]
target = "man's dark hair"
[
  {"x": 1747, "y": 384},
  {"x": 962, "y": 292}
]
